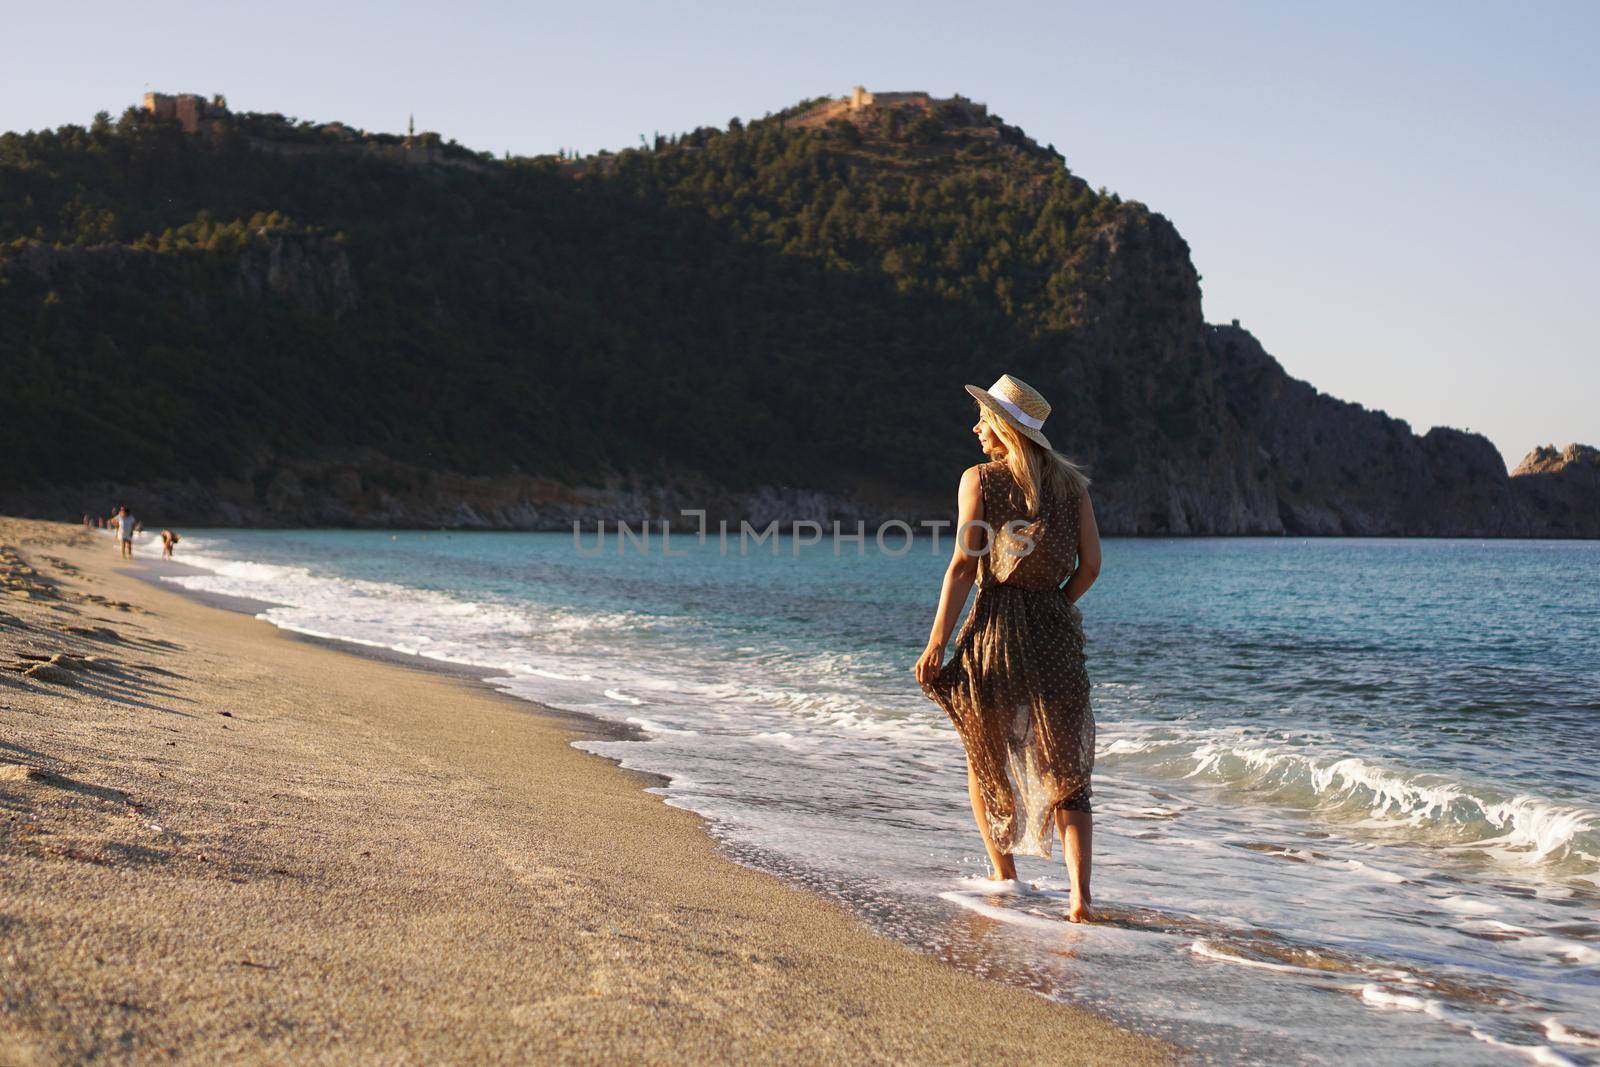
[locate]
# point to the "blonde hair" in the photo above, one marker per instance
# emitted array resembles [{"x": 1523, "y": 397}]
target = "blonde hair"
[{"x": 1034, "y": 466}]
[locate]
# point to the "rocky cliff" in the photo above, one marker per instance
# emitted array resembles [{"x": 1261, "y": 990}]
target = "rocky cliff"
[
  {"x": 1334, "y": 467},
  {"x": 1560, "y": 491},
  {"x": 1139, "y": 394}
]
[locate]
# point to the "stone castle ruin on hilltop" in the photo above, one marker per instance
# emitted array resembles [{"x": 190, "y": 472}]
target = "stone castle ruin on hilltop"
[
  {"x": 194, "y": 114},
  {"x": 862, "y": 105},
  {"x": 187, "y": 109}
]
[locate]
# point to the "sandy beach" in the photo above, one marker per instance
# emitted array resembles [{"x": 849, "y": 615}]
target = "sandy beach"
[{"x": 221, "y": 842}]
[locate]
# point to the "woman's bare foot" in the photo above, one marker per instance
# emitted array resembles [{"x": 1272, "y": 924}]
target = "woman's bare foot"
[{"x": 1077, "y": 837}]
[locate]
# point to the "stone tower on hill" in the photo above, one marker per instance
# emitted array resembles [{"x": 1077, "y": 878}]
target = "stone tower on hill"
[
  {"x": 187, "y": 109},
  {"x": 861, "y": 100},
  {"x": 860, "y": 107}
]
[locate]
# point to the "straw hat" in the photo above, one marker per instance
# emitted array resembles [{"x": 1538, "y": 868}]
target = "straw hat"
[{"x": 1019, "y": 404}]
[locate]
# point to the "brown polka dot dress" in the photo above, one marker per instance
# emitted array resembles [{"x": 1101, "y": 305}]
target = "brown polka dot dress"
[{"x": 1016, "y": 687}]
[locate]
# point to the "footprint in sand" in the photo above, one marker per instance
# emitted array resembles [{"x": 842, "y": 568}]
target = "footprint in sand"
[
  {"x": 22, "y": 772},
  {"x": 58, "y": 667},
  {"x": 120, "y": 605},
  {"x": 17, "y": 772},
  {"x": 97, "y": 633}
]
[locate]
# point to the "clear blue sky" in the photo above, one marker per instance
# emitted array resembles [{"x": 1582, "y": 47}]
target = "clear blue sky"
[{"x": 1399, "y": 198}]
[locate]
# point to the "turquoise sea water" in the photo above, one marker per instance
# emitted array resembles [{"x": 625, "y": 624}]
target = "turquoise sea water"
[{"x": 1347, "y": 791}]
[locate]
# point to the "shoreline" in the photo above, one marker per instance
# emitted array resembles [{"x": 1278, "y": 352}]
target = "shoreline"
[
  {"x": 582, "y": 725},
  {"x": 223, "y": 839}
]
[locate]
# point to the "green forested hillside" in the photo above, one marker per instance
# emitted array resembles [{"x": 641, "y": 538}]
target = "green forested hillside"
[
  {"x": 792, "y": 303},
  {"x": 774, "y": 304}
]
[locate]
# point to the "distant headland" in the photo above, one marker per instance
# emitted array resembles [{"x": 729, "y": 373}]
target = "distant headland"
[{"x": 315, "y": 324}]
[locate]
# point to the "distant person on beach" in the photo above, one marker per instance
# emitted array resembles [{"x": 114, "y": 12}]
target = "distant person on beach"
[
  {"x": 1016, "y": 687},
  {"x": 168, "y": 540},
  {"x": 123, "y": 522}
]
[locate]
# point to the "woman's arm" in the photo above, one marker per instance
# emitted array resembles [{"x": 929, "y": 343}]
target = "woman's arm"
[
  {"x": 958, "y": 576},
  {"x": 1088, "y": 552}
]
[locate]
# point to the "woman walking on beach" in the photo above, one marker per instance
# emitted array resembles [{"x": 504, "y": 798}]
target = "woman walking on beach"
[{"x": 1016, "y": 687}]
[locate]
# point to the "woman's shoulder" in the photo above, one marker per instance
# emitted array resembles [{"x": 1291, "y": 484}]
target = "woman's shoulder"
[
  {"x": 982, "y": 471},
  {"x": 976, "y": 480},
  {"x": 972, "y": 480}
]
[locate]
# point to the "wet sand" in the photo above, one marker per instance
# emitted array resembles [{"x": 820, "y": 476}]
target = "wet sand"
[{"x": 220, "y": 842}]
